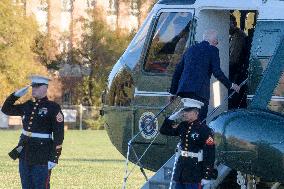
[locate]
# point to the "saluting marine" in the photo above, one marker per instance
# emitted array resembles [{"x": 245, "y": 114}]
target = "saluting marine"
[
  {"x": 42, "y": 136},
  {"x": 195, "y": 165}
]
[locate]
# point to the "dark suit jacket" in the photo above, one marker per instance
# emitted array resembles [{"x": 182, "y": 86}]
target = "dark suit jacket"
[{"x": 193, "y": 73}]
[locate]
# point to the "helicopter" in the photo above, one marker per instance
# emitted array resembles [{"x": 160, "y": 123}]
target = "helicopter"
[{"x": 249, "y": 139}]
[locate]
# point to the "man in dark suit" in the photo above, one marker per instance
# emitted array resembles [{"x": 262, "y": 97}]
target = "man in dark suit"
[
  {"x": 191, "y": 78},
  {"x": 239, "y": 58}
]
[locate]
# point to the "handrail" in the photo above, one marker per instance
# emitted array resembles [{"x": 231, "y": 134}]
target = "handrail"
[
  {"x": 127, "y": 174},
  {"x": 215, "y": 109}
]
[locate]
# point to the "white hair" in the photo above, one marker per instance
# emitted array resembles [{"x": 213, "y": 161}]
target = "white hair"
[{"x": 210, "y": 35}]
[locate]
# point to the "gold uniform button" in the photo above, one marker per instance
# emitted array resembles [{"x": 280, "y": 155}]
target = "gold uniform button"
[
  {"x": 29, "y": 127},
  {"x": 30, "y": 122},
  {"x": 185, "y": 149},
  {"x": 186, "y": 140},
  {"x": 186, "y": 145},
  {"x": 34, "y": 108},
  {"x": 189, "y": 127},
  {"x": 32, "y": 117},
  {"x": 186, "y": 135},
  {"x": 36, "y": 104},
  {"x": 33, "y": 113}
]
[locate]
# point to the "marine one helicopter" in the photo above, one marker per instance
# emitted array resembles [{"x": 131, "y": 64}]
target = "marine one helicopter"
[{"x": 250, "y": 139}]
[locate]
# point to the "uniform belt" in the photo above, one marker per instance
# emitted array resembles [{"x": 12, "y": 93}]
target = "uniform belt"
[
  {"x": 36, "y": 135},
  {"x": 198, "y": 155}
]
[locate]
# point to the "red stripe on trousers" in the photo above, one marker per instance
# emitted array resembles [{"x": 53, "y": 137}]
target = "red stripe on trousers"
[
  {"x": 47, "y": 179},
  {"x": 199, "y": 186}
]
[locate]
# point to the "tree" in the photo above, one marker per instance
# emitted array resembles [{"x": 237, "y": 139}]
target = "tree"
[
  {"x": 47, "y": 52},
  {"x": 17, "y": 63},
  {"x": 101, "y": 47}
]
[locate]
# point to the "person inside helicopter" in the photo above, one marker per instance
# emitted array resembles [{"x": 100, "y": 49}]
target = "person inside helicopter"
[{"x": 169, "y": 42}]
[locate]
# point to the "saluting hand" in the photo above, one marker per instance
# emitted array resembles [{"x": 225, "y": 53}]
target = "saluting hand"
[
  {"x": 22, "y": 91},
  {"x": 175, "y": 115}
]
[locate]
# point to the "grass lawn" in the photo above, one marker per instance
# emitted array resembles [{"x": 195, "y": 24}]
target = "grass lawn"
[{"x": 88, "y": 160}]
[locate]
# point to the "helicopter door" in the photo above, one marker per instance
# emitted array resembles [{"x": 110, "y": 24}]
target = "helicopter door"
[{"x": 172, "y": 32}]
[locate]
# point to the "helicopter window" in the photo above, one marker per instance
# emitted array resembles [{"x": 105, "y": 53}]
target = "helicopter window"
[
  {"x": 121, "y": 91},
  {"x": 132, "y": 54},
  {"x": 276, "y": 103},
  {"x": 265, "y": 38},
  {"x": 257, "y": 68},
  {"x": 168, "y": 42}
]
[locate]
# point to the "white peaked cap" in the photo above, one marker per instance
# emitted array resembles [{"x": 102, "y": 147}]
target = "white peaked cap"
[
  {"x": 191, "y": 103},
  {"x": 39, "y": 79}
]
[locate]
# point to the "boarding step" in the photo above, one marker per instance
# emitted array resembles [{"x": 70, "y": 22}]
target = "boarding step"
[
  {"x": 159, "y": 185},
  {"x": 162, "y": 178}
]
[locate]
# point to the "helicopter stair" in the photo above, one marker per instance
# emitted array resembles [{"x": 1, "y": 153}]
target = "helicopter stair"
[{"x": 162, "y": 178}]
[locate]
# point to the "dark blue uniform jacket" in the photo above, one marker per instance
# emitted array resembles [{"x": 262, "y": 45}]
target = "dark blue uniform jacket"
[
  {"x": 194, "y": 71},
  {"x": 40, "y": 116},
  {"x": 194, "y": 137}
]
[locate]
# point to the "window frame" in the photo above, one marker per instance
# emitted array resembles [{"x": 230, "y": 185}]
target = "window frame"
[
  {"x": 276, "y": 98},
  {"x": 150, "y": 35}
]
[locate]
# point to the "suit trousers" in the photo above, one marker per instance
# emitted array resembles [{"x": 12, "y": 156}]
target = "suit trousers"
[{"x": 34, "y": 176}]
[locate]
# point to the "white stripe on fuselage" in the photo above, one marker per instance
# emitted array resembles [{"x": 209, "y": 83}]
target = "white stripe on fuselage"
[
  {"x": 157, "y": 93},
  {"x": 151, "y": 93},
  {"x": 273, "y": 98}
]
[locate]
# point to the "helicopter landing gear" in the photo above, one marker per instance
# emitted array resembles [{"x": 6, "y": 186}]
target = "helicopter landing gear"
[
  {"x": 246, "y": 181},
  {"x": 251, "y": 182},
  {"x": 276, "y": 185}
]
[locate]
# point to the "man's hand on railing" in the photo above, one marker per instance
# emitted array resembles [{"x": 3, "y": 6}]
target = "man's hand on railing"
[{"x": 235, "y": 87}]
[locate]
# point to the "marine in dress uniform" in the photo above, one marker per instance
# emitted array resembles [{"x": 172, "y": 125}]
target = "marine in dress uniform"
[
  {"x": 42, "y": 136},
  {"x": 197, "y": 155}
]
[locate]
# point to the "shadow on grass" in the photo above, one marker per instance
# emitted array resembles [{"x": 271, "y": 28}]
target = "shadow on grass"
[{"x": 92, "y": 160}]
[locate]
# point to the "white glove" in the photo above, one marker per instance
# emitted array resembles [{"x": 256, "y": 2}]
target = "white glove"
[
  {"x": 22, "y": 91},
  {"x": 175, "y": 115},
  {"x": 205, "y": 182},
  {"x": 51, "y": 165}
]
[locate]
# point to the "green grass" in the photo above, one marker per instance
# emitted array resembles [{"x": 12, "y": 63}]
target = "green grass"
[{"x": 88, "y": 160}]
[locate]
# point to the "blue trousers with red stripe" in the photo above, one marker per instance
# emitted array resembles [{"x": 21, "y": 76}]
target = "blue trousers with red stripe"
[
  {"x": 188, "y": 186},
  {"x": 34, "y": 176}
]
